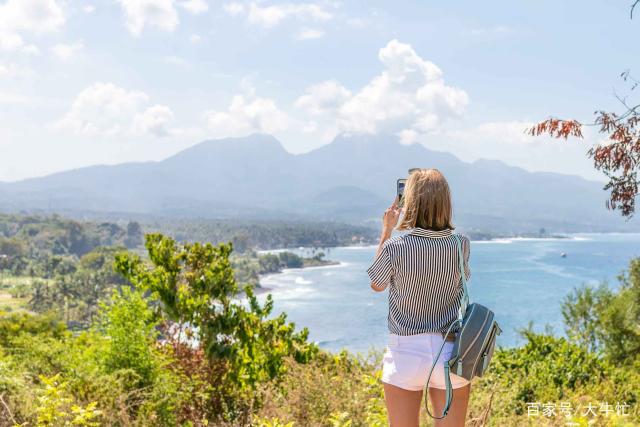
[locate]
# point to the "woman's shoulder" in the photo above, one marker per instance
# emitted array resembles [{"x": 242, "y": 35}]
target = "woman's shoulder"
[
  {"x": 466, "y": 241},
  {"x": 394, "y": 241},
  {"x": 463, "y": 237}
]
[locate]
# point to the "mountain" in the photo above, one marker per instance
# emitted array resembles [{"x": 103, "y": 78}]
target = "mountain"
[{"x": 351, "y": 179}]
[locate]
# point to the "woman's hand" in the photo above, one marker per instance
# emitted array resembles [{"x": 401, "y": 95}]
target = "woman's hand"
[{"x": 390, "y": 218}]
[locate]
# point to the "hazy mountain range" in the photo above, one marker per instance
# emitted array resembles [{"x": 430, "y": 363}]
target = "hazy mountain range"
[{"x": 351, "y": 179}]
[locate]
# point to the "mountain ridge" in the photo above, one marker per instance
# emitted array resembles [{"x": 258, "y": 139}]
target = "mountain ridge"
[{"x": 351, "y": 179}]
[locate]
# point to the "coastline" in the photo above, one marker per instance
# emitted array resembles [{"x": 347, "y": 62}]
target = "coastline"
[{"x": 262, "y": 289}]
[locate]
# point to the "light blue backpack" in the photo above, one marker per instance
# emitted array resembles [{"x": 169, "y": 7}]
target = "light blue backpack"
[{"x": 474, "y": 344}]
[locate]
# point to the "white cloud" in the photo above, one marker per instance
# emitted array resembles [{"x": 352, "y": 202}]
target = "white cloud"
[
  {"x": 510, "y": 142},
  {"x": 89, "y": 8},
  {"x": 13, "y": 98},
  {"x": 196, "y": 7},
  {"x": 247, "y": 114},
  {"x": 160, "y": 14},
  {"x": 195, "y": 39},
  {"x": 234, "y": 8},
  {"x": 13, "y": 42},
  {"x": 35, "y": 16},
  {"x": 10, "y": 42},
  {"x": 176, "y": 60},
  {"x": 508, "y": 132},
  {"x": 13, "y": 70},
  {"x": 38, "y": 16},
  {"x": 323, "y": 98},
  {"x": 498, "y": 30},
  {"x": 357, "y": 22},
  {"x": 154, "y": 120},
  {"x": 106, "y": 110},
  {"x": 310, "y": 34},
  {"x": 408, "y": 98},
  {"x": 66, "y": 51},
  {"x": 273, "y": 15}
]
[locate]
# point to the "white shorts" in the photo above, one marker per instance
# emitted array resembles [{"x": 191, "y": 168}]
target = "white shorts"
[{"x": 407, "y": 361}]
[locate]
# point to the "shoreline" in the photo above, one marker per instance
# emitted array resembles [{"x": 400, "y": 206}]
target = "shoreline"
[
  {"x": 574, "y": 237},
  {"x": 261, "y": 289},
  {"x": 504, "y": 239}
]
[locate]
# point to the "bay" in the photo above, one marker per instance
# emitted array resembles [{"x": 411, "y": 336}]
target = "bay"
[{"x": 522, "y": 280}]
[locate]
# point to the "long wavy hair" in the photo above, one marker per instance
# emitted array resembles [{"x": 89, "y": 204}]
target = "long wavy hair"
[{"x": 427, "y": 201}]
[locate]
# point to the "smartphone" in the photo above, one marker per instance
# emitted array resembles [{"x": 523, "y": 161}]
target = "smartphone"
[{"x": 400, "y": 189}]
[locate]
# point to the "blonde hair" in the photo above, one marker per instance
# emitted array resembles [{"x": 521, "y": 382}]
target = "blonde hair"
[{"x": 427, "y": 201}]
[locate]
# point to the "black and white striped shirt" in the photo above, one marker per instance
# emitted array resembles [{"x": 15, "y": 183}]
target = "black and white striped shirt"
[{"x": 422, "y": 271}]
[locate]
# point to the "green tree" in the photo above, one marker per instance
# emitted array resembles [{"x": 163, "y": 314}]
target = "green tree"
[
  {"x": 195, "y": 286},
  {"x": 290, "y": 260},
  {"x": 134, "y": 235},
  {"x": 130, "y": 325},
  {"x": 607, "y": 321},
  {"x": 12, "y": 247}
]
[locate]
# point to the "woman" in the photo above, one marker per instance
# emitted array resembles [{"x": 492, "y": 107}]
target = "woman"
[{"x": 421, "y": 270}]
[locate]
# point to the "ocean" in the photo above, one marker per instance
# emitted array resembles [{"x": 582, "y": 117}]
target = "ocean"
[{"x": 522, "y": 280}]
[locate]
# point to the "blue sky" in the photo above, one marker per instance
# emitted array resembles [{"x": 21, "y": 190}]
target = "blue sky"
[{"x": 109, "y": 81}]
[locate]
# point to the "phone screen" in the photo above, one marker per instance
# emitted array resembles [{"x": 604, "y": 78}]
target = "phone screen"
[{"x": 400, "y": 190}]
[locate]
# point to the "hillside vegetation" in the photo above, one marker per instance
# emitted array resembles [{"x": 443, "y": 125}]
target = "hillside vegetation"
[{"x": 158, "y": 337}]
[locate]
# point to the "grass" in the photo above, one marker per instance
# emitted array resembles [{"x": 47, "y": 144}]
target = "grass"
[
  {"x": 15, "y": 291},
  {"x": 9, "y": 304}
]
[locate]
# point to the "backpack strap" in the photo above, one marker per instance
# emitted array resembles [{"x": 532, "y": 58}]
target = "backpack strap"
[
  {"x": 465, "y": 293},
  {"x": 461, "y": 312},
  {"x": 447, "y": 379}
]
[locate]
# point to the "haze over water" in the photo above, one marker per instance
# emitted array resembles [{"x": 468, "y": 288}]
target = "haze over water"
[{"x": 522, "y": 280}]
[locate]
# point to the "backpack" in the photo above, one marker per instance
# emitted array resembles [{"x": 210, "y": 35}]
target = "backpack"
[{"x": 474, "y": 344}]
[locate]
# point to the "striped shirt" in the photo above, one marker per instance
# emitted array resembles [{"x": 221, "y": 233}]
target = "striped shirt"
[{"x": 422, "y": 271}]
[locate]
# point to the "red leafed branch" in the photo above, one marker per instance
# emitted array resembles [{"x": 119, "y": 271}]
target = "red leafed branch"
[
  {"x": 558, "y": 128},
  {"x": 618, "y": 159}
]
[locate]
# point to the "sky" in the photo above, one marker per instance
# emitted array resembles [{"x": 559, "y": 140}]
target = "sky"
[{"x": 86, "y": 82}]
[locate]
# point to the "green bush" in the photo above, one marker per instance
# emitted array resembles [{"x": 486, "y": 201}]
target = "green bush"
[
  {"x": 181, "y": 345},
  {"x": 129, "y": 324},
  {"x": 607, "y": 321},
  {"x": 195, "y": 287}
]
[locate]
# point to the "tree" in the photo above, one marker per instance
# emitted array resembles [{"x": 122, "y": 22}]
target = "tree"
[
  {"x": 134, "y": 235},
  {"x": 130, "y": 324},
  {"x": 196, "y": 289},
  {"x": 619, "y": 159},
  {"x": 607, "y": 321}
]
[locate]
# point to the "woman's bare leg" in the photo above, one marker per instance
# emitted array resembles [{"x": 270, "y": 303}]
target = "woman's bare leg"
[
  {"x": 403, "y": 406},
  {"x": 457, "y": 411}
]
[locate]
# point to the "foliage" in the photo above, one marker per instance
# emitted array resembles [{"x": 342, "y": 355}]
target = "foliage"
[
  {"x": 175, "y": 341},
  {"x": 60, "y": 236},
  {"x": 266, "y": 234},
  {"x": 540, "y": 361},
  {"x": 77, "y": 293},
  {"x": 130, "y": 325},
  {"x": 608, "y": 321},
  {"x": 332, "y": 389},
  {"x": 195, "y": 286},
  {"x": 249, "y": 266},
  {"x": 619, "y": 159},
  {"x": 56, "y": 407},
  {"x": 61, "y": 379},
  {"x": 15, "y": 324},
  {"x": 580, "y": 311}
]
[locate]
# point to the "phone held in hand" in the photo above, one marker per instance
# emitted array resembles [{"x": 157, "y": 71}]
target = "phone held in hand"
[{"x": 400, "y": 190}]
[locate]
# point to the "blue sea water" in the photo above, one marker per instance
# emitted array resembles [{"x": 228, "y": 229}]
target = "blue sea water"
[{"x": 522, "y": 280}]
